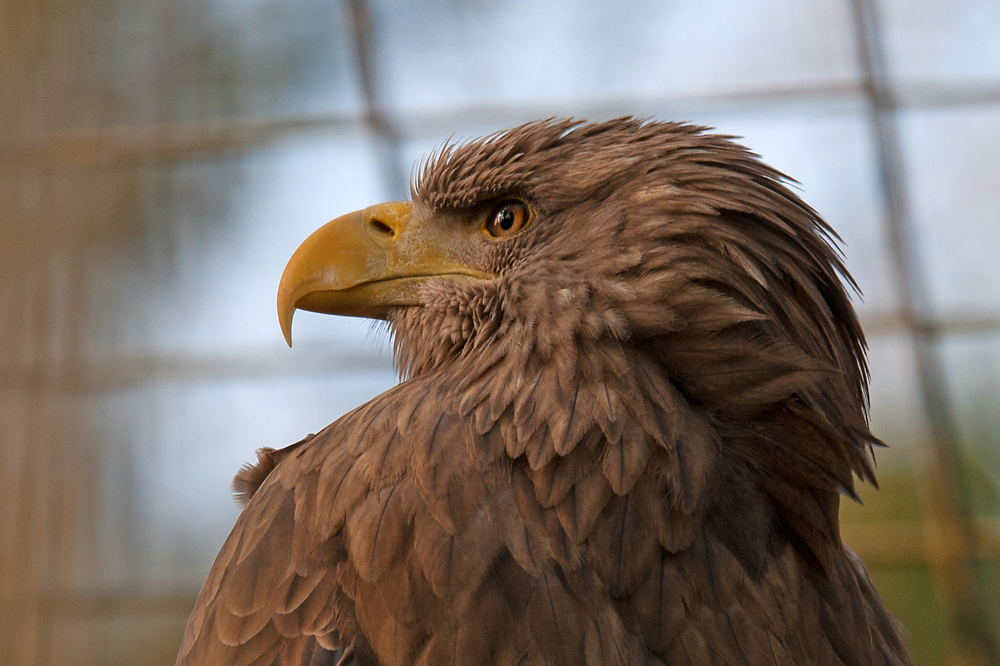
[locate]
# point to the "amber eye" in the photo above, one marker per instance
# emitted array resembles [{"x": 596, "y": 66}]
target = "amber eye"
[{"x": 507, "y": 218}]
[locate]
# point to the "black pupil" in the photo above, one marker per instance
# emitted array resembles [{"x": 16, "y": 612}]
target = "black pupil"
[{"x": 506, "y": 219}]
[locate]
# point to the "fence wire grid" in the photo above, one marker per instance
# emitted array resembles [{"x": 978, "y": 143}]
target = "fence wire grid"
[{"x": 159, "y": 161}]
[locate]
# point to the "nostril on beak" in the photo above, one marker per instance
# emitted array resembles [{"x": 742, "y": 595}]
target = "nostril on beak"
[
  {"x": 385, "y": 222},
  {"x": 382, "y": 229}
]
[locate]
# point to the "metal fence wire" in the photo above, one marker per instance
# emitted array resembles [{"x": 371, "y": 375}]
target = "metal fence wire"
[{"x": 138, "y": 142}]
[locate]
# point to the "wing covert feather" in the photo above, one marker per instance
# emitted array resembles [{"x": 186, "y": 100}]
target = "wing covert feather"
[{"x": 403, "y": 535}]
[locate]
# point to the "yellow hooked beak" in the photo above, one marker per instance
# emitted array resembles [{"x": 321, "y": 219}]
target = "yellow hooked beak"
[{"x": 364, "y": 263}]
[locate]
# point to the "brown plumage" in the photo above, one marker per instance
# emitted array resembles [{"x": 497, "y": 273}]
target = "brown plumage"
[{"x": 626, "y": 445}]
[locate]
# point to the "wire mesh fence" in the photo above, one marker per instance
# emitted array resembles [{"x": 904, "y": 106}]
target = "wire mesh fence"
[{"x": 160, "y": 161}]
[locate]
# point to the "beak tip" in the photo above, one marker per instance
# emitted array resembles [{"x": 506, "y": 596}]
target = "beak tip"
[{"x": 285, "y": 322}]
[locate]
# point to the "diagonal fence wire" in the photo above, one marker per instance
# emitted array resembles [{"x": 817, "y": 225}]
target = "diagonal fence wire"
[{"x": 949, "y": 503}]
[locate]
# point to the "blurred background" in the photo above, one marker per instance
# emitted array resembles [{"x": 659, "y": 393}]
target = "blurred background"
[{"x": 160, "y": 160}]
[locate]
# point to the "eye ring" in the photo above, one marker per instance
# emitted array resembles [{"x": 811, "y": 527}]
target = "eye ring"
[{"x": 507, "y": 218}]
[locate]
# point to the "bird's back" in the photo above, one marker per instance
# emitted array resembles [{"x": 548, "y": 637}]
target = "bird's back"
[{"x": 404, "y": 536}]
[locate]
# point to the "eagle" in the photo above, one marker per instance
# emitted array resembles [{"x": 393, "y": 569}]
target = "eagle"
[{"x": 633, "y": 389}]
